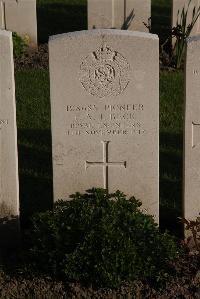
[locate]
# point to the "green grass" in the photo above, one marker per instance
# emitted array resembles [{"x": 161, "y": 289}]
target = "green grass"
[
  {"x": 34, "y": 142},
  {"x": 161, "y": 18},
  {"x": 171, "y": 148},
  {"x": 59, "y": 16}
]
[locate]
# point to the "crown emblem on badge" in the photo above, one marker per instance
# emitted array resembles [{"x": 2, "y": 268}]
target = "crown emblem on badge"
[
  {"x": 104, "y": 72},
  {"x": 104, "y": 54}
]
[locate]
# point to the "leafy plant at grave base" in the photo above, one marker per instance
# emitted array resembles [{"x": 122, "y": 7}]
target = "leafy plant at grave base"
[
  {"x": 19, "y": 45},
  {"x": 193, "y": 226},
  {"x": 181, "y": 32},
  {"x": 101, "y": 239}
]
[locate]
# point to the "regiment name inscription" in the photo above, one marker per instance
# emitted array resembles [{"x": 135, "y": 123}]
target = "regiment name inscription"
[{"x": 105, "y": 120}]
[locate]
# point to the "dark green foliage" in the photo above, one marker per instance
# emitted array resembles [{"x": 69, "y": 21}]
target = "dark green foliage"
[
  {"x": 102, "y": 239},
  {"x": 19, "y": 45},
  {"x": 182, "y": 31},
  {"x": 193, "y": 228}
]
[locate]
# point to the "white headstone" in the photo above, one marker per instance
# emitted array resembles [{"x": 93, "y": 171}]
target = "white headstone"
[
  {"x": 9, "y": 186},
  {"x": 105, "y": 113},
  {"x": 20, "y": 16},
  {"x": 119, "y": 14},
  {"x": 2, "y": 16},
  {"x": 192, "y": 131},
  {"x": 178, "y": 5}
]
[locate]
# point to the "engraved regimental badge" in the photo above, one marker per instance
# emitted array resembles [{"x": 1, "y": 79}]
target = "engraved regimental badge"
[{"x": 105, "y": 72}]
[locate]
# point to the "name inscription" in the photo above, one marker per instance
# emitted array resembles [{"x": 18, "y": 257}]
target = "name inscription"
[{"x": 105, "y": 120}]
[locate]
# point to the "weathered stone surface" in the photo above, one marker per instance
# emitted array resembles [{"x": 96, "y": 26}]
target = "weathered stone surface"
[
  {"x": 100, "y": 14},
  {"x": 9, "y": 186},
  {"x": 178, "y": 5},
  {"x": 119, "y": 14},
  {"x": 192, "y": 131},
  {"x": 2, "y": 20},
  {"x": 20, "y": 16},
  {"x": 105, "y": 113}
]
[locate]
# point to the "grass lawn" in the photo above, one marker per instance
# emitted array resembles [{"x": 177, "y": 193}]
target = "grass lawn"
[
  {"x": 34, "y": 141},
  {"x": 33, "y": 117}
]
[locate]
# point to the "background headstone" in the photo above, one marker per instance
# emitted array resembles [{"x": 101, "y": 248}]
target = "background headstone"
[
  {"x": 105, "y": 113},
  {"x": 177, "y": 5},
  {"x": 20, "y": 16},
  {"x": 192, "y": 131},
  {"x": 119, "y": 14},
  {"x": 100, "y": 14},
  {"x": 9, "y": 186},
  {"x": 2, "y": 16}
]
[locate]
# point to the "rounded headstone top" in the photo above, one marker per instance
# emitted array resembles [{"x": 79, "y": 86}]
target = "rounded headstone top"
[
  {"x": 101, "y": 32},
  {"x": 6, "y": 33}
]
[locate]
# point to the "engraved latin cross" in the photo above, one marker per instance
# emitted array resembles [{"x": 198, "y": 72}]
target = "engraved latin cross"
[{"x": 105, "y": 163}]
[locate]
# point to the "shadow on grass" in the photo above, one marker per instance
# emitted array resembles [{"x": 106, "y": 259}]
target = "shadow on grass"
[
  {"x": 56, "y": 18},
  {"x": 161, "y": 20},
  {"x": 35, "y": 176},
  {"x": 171, "y": 182},
  {"x": 9, "y": 232}
]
